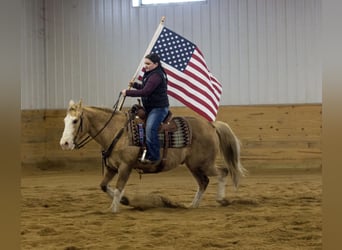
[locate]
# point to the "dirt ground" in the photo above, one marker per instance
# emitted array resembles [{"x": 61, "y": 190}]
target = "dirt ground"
[{"x": 279, "y": 209}]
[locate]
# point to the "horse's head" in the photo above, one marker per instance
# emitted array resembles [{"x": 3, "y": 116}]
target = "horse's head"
[{"x": 72, "y": 126}]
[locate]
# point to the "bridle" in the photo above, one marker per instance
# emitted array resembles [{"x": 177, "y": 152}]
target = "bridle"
[
  {"x": 85, "y": 140},
  {"x": 88, "y": 138}
]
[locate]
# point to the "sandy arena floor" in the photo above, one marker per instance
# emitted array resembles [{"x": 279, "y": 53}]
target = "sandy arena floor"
[{"x": 270, "y": 210}]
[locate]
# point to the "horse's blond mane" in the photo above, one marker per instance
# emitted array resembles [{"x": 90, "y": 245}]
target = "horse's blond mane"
[{"x": 107, "y": 110}]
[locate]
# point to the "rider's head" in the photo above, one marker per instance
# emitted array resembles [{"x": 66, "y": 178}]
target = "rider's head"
[
  {"x": 152, "y": 61},
  {"x": 153, "y": 58}
]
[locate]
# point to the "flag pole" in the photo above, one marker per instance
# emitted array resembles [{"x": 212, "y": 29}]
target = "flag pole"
[{"x": 148, "y": 50}]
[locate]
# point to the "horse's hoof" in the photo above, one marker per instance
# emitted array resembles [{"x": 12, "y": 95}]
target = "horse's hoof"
[
  {"x": 223, "y": 202},
  {"x": 124, "y": 201},
  {"x": 191, "y": 205}
]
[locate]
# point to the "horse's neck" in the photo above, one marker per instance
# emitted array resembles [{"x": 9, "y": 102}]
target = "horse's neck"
[{"x": 103, "y": 124}]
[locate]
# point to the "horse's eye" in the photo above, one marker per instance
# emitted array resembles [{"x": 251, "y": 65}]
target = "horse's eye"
[{"x": 74, "y": 121}]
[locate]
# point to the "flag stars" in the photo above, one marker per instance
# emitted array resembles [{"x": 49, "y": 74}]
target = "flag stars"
[{"x": 173, "y": 49}]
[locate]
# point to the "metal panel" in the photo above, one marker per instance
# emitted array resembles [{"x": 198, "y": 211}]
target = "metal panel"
[
  {"x": 262, "y": 51},
  {"x": 33, "y": 84}
]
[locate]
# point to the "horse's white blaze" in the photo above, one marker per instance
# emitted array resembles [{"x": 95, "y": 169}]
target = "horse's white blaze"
[{"x": 67, "y": 140}]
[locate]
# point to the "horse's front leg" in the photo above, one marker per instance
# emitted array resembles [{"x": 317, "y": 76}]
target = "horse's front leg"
[
  {"x": 124, "y": 173},
  {"x": 110, "y": 173}
]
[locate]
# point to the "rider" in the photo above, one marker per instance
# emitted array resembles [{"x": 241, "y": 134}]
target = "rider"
[{"x": 153, "y": 92}]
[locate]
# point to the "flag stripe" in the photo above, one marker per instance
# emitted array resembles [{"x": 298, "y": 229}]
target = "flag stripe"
[
  {"x": 184, "y": 79},
  {"x": 197, "y": 56},
  {"x": 191, "y": 94},
  {"x": 203, "y": 80},
  {"x": 207, "y": 73},
  {"x": 216, "y": 85},
  {"x": 203, "y": 85},
  {"x": 196, "y": 102},
  {"x": 191, "y": 104},
  {"x": 200, "y": 60}
]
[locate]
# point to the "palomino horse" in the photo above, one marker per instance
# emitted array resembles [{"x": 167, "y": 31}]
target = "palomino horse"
[{"x": 108, "y": 125}]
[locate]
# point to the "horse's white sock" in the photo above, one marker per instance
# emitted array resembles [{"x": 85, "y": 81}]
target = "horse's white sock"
[
  {"x": 221, "y": 192},
  {"x": 198, "y": 197},
  {"x": 117, "y": 195}
]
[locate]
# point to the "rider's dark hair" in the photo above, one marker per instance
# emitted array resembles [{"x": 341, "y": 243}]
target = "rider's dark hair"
[
  {"x": 156, "y": 59},
  {"x": 153, "y": 57}
]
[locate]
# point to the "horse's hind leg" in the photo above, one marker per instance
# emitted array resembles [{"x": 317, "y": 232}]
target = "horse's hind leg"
[
  {"x": 221, "y": 191},
  {"x": 202, "y": 181}
]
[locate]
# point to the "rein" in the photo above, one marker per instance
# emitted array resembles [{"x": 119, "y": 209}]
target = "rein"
[
  {"x": 108, "y": 152},
  {"x": 87, "y": 139}
]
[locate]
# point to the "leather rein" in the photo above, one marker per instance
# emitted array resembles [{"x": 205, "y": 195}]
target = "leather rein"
[{"x": 88, "y": 138}]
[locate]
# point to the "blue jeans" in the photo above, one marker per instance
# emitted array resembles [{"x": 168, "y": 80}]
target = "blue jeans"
[{"x": 154, "y": 119}]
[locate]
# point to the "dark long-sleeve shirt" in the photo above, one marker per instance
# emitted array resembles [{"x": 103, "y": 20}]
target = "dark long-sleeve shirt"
[
  {"x": 153, "y": 90},
  {"x": 152, "y": 83}
]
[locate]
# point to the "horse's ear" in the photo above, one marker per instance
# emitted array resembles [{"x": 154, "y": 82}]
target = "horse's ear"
[
  {"x": 80, "y": 103},
  {"x": 71, "y": 102}
]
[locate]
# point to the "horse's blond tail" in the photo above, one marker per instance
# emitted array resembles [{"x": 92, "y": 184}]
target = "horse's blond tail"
[{"x": 230, "y": 149}]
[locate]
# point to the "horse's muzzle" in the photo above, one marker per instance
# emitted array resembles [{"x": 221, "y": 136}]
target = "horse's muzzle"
[{"x": 65, "y": 145}]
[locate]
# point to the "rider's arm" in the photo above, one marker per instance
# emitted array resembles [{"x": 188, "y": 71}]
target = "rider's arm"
[{"x": 152, "y": 82}]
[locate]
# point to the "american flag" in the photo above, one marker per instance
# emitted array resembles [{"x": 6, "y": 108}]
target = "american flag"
[{"x": 190, "y": 80}]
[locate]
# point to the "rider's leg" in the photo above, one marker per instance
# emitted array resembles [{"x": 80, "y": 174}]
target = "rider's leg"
[{"x": 154, "y": 119}]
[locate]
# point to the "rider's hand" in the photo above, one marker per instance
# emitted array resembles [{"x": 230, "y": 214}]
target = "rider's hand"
[
  {"x": 130, "y": 84},
  {"x": 123, "y": 92}
]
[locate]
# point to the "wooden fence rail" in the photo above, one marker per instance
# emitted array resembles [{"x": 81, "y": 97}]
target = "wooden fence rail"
[{"x": 279, "y": 136}]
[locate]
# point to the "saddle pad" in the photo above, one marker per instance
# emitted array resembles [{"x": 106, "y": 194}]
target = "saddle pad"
[{"x": 180, "y": 138}]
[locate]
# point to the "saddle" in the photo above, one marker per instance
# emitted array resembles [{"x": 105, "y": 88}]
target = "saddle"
[{"x": 174, "y": 132}]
